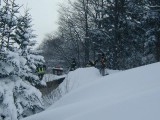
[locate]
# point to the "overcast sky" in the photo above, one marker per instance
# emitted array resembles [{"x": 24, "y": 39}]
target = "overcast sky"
[{"x": 44, "y": 14}]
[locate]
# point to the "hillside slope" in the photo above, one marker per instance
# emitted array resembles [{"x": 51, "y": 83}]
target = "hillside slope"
[{"x": 129, "y": 95}]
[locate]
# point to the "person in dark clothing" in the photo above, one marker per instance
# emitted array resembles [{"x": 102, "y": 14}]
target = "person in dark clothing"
[
  {"x": 103, "y": 64},
  {"x": 100, "y": 62},
  {"x": 103, "y": 60},
  {"x": 44, "y": 67},
  {"x": 73, "y": 65}
]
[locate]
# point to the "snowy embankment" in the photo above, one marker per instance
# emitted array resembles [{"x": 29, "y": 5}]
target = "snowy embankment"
[
  {"x": 129, "y": 95},
  {"x": 50, "y": 77}
]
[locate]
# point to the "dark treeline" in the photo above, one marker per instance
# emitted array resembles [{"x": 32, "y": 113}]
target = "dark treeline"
[{"x": 127, "y": 31}]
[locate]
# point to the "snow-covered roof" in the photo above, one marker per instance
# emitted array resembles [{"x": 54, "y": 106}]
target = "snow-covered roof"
[{"x": 57, "y": 68}]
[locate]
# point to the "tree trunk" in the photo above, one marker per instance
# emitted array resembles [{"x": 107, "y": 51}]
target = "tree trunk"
[{"x": 86, "y": 31}]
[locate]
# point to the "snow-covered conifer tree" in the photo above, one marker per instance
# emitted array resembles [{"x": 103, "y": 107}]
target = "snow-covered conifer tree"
[
  {"x": 18, "y": 97},
  {"x": 25, "y": 39}
]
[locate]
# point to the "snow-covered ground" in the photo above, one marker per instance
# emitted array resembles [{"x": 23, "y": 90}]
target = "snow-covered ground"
[
  {"x": 51, "y": 77},
  {"x": 128, "y": 95}
]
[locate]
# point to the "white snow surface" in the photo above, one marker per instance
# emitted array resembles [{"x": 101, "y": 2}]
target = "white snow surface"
[
  {"x": 127, "y": 95},
  {"x": 51, "y": 77}
]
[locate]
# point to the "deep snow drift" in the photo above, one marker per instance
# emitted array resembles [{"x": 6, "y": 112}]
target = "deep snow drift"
[{"x": 129, "y": 95}]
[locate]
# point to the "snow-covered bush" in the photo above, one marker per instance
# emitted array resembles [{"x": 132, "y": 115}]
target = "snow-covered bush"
[{"x": 18, "y": 99}]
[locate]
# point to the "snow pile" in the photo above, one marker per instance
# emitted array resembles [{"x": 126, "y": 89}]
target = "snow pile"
[
  {"x": 78, "y": 78},
  {"x": 51, "y": 77},
  {"x": 109, "y": 71},
  {"x": 128, "y": 95}
]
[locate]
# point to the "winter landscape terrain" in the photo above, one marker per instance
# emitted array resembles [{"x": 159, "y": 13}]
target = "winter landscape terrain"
[
  {"x": 126, "y": 95},
  {"x": 115, "y": 34}
]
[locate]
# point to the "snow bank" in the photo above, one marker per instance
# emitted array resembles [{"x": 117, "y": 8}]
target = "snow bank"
[
  {"x": 79, "y": 78},
  {"x": 129, "y": 95},
  {"x": 51, "y": 77}
]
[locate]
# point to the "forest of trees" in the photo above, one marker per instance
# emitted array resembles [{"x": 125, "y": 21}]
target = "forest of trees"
[{"x": 127, "y": 31}]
